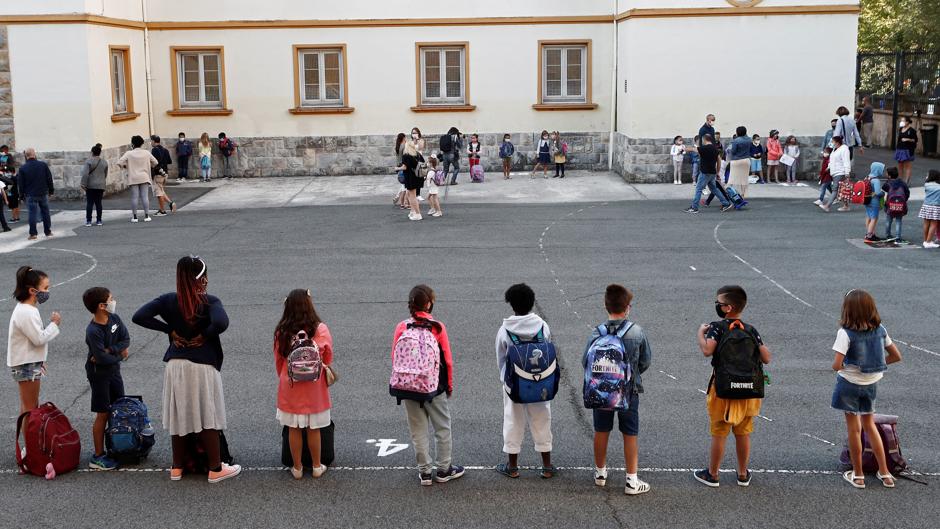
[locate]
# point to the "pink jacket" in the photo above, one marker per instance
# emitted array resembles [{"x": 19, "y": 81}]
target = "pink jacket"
[
  {"x": 304, "y": 398},
  {"x": 774, "y": 150}
]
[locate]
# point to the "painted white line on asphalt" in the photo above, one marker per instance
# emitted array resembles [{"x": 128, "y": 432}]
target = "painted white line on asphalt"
[
  {"x": 928, "y": 351},
  {"x": 820, "y": 439},
  {"x": 692, "y": 267},
  {"x": 668, "y": 375},
  {"x": 768, "y": 419},
  {"x": 703, "y": 392},
  {"x": 94, "y": 264}
]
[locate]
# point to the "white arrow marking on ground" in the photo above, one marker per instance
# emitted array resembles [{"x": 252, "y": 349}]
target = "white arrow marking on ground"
[{"x": 387, "y": 447}]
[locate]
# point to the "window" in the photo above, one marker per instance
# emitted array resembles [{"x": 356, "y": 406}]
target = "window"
[
  {"x": 564, "y": 75},
  {"x": 198, "y": 78},
  {"x": 320, "y": 79},
  {"x": 442, "y": 76},
  {"x": 122, "y": 97}
]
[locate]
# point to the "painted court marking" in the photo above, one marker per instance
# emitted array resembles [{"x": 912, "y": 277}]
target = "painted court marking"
[
  {"x": 94, "y": 264},
  {"x": 820, "y": 439}
]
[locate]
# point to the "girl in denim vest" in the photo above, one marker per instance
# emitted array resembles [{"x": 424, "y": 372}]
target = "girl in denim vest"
[{"x": 860, "y": 361}]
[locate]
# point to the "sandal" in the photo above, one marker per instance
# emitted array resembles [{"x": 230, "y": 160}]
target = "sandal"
[
  {"x": 508, "y": 471},
  {"x": 853, "y": 480},
  {"x": 548, "y": 472},
  {"x": 886, "y": 479}
]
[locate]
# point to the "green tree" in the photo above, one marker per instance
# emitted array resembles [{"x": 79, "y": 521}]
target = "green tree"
[{"x": 893, "y": 25}]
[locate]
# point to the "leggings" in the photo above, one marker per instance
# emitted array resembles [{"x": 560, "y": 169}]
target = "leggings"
[
  {"x": 140, "y": 193},
  {"x": 560, "y": 167},
  {"x": 677, "y": 170},
  {"x": 210, "y": 442},
  {"x": 791, "y": 173},
  {"x": 93, "y": 200}
]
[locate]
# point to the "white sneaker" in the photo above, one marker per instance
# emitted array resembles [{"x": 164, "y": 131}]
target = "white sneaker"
[
  {"x": 600, "y": 476},
  {"x": 817, "y": 202},
  {"x": 412, "y": 216},
  {"x": 639, "y": 487},
  {"x": 420, "y": 199},
  {"x": 134, "y": 220},
  {"x": 147, "y": 218},
  {"x": 432, "y": 211},
  {"x": 928, "y": 244},
  {"x": 319, "y": 471},
  {"x": 437, "y": 214}
]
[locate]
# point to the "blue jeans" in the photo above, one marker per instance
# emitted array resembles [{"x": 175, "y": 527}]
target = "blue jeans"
[
  {"x": 708, "y": 180},
  {"x": 451, "y": 158},
  {"x": 39, "y": 206},
  {"x": 695, "y": 171},
  {"x": 891, "y": 221},
  {"x": 822, "y": 190}
]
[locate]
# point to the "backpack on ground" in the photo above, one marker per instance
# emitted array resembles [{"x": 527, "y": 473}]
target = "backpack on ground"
[
  {"x": 447, "y": 143},
  {"x": 327, "y": 450},
  {"x": 476, "y": 173},
  {"x": 861, "y": 190},
  {"x": 416, "y": 363},
  {"x": 736, "y": 199},
  {"x": 439, "y": 177},
  {"x": 739, "y": 372},
  {"x": 129, "y": 435},
  {"x": 195, "y": 458},
  {"x": 304, "y": 363},
  {"x": 608, "y": 374},
  {"x": 532, "y": 370},
  {"x": 887, "y": 429},
  {"x": 896, "y": 202},
  {"x": 50, "y": 445}
]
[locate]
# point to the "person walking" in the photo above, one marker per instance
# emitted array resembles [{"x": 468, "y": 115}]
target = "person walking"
[
  {"x": 708, "y": 172},
  {"x": 868, "y": 121},
  {"x": 34, "y": 183},
  {"x": 827, "y": 137},
  {"x": 184, "y": 150},
  {"x": 138, "y": 162},
  {"x": 906, "y": 146},
  {"x": 94, "y": 182},
  {"x": 413, "y": 182},
  {"x": 159, "y": 174},
  {"x": 451, "y": 146},
  {"x": 846, "y": 129},
  {"x": 8, "y": 172},
  {"x": 193, "y": 400},
  {"x": 740, "y": 155},
  {"x": 840, "y": 166}
]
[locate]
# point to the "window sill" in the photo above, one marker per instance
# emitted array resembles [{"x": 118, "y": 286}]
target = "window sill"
[
  {"x": 444, "y": 108},
  {"x": 565, "y": 106},
  {"x": 200, "y": 112},
  {"x": 321, "y": 110},
  {"x": 124, "y": 116}
]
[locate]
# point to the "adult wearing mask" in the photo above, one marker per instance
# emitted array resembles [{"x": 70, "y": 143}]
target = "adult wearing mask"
[
  {"x": 451, "y": 146},
  {"x": 34, "y": 182},
  {"x": 184, "y": 149},
  {"x": 840, "y": 166},
  {"x": 94, "y": 182},
  {"x": 906, "y": 146},
  {"x": 193, "y": 400},
  {"x": 740, "y": 160},
  {"x": 139, "y": 162},
  {"x": 708, "y": 128},
  {"x": 413, "y": 182},
  {"x": 827, "y": 137},
  {"x": 846, "y": 129}
]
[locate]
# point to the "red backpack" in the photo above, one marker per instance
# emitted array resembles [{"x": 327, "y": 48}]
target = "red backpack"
[
  {"x": 51, "y": 445},
  {"x": 860, "y": 190}
]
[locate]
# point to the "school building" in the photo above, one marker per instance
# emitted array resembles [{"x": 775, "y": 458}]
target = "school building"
[{"x": 321, "y": 88}]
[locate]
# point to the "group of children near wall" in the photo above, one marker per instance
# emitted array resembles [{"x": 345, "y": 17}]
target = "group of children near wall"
[
  {"x": 777, "y": 154},
  {"x": 203, "y": 148},
  {"x": 617, "y": 350}
]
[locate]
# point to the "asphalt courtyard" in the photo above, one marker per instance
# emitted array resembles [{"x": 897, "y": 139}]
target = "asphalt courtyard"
[{"x": 360, "y": 261}]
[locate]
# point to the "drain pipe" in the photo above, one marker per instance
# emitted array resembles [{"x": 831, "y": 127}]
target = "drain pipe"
[
  {"x": 143, "y": 16},
  {"x": 613, "y": 93}
]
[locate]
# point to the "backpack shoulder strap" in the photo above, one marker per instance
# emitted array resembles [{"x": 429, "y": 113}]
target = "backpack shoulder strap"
[
  {"x": 624, "y": 328},
  {"x": 540, "y": 336},
  {"x": 514, "y": 338},
  {"x": 602, "y": 329}
]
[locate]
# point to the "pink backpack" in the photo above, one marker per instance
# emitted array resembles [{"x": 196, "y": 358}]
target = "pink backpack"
[
  {"x": 476, "y": 173},
  {"x": 416, "y": 363}
]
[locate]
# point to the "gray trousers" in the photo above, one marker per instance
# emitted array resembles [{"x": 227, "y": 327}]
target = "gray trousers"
[
  {"x": 435, "y": 414},
  {"x": 140, "y": 194}
]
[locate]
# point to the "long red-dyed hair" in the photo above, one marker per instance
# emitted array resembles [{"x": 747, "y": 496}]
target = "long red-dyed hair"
[{"x": 191, "y": 290}]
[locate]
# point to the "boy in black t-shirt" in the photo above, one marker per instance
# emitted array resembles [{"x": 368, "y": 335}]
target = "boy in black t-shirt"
[
  {"x": 727, "y": 415},
  {"x": 107, "y": 339}
]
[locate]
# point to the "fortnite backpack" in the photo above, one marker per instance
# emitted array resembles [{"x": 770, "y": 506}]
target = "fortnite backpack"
[
  {"x": 739, "y": 372},
  {"x": 532, "y": 370},
  {"x": 416, "y": 363},
  {"x": 608, "y": 373}
]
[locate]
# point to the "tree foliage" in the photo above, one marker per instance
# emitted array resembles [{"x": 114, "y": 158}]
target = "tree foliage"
[{"x": 895, "y": 25}]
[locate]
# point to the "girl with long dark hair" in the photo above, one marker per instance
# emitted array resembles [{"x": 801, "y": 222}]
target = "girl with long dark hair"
[{"x": 27, "y": 340}]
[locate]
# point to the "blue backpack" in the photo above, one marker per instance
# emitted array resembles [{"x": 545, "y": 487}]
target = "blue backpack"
[
  {"x": 129, "y": 436},
  {"x": 532, "y": 370},
  {"x": 608, "y": 373}
]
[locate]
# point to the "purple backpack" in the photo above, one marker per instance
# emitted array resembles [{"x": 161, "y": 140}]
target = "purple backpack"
[
  {"x": 476, "y": 173},
  {"x": 439, "y": 178}
]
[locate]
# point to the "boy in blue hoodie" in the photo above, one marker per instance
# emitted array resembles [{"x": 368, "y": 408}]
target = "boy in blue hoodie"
[{"x": 873, "y": 201}]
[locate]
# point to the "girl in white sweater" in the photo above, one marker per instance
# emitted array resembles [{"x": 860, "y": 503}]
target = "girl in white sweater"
[{"x": 27, "y": 340}]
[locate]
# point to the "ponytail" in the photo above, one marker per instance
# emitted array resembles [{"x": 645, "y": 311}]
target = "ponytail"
[
  {"x": 421, "y": 299},
  {"x": 27, "y": 278}
]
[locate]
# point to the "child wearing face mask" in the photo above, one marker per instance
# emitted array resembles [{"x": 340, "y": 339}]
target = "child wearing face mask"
[
  {"x": 793, "y": 151},
  {"x": 506, "y": 150},
  {"x": 677, "y": 153},
  {"x": 774, "y": 153},
  {"x": 544, "y": 150},
  {"x": 825, "y": 177},
  {"x": 107, "y": 339},
  {"x": 184, "y": 149},
  {"x": 757, "y": 154},
  {"x": 27, "y": 340}
]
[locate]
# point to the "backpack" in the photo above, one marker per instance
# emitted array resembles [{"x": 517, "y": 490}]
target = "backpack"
[
  {"x": 896, "y": 202},
  {"x": 506, "y": 149},
  {"x": 226, "y": 146},
  {"x": 736, "y": 199},
  {"x": 608, "y": 373},
  {"x": 416, "y": 363},
  {"x": 887, "y": 429},
  {"x": 195, "y": 458},
  {"x": 532, "y": 370},
  {"x": 739, "y": 373},
  {"x": 439, "y": 178},
  {"x": 304, "y": 363},
  {"x": 50, "y": 445},
  {"x": 860, "y": 191},
  {"x": 446, "y": 143},
  {"x": 129, "y": 435},
  {"x": 476, "y": 173}
]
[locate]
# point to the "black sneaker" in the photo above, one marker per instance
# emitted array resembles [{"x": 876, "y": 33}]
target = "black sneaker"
[
  {"x": 692, "y": 211},
  {"x": 745, "y": 481},
  {"x": 703, "y": 477},
  {"x": 426, "y": 480},
  {"x": 454, "y": 472}
]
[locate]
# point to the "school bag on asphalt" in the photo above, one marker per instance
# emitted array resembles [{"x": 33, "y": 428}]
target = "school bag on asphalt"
[
  {"x": 736, "y": 199},
  {"x": 896, "y": 203},
  {"x": 739, "y": 372},
  {"x": 50, "y": 445},
  {"x": 129, "y": 436},
  {"x": 532, "y": 370},
  {"x": 196, "y": 460},
  {"x": 861, "y": 190},
  {"x": 887, "y": 429},
  {"x": 476, "y": 173},
  {"x": 416, "y": 363},
  {"x": 608, "y": 374},
  {"x": 304, "y": 363},
  {"x": 327, "y": 451}
]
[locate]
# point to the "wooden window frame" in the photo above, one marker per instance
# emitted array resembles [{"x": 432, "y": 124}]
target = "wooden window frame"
[
  {"x": 422, "y": 107},
  {"x": 299, "y": 108},
  {"x": 128, "y": 112},
  {"x": 179, "y": 110},
  {"x": 588, "y": 103}
]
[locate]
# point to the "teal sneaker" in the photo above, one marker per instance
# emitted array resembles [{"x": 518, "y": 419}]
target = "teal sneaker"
[{"x": 102, "y": 462}]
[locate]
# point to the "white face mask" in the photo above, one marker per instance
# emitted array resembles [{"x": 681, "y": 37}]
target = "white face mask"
[
  {"x": 111, "y": 306},
  {"x": 902, "y": 124}
]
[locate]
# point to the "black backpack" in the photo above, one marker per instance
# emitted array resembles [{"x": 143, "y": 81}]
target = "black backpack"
[
  {"x": 447, "y": 143},
  {"x": 739, "y": 372}
]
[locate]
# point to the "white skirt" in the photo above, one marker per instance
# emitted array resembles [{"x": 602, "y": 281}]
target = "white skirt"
[
  {"x": 192, "y": 398},
  {"x": 295, "y": 420}
]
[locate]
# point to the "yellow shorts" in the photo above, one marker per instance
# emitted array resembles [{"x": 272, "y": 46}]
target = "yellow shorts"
[{"x": 727, "y": 415}]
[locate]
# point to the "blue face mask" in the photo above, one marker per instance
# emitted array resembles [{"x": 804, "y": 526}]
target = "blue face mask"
[{"x": 42, "y": 296}]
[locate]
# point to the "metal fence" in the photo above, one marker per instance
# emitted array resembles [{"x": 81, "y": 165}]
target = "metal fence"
[{"x": 904, "y": 82}]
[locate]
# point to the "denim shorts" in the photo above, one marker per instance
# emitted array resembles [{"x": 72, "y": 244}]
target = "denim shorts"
[
  {"x": 853, "y": 398},
  {"x": 755, "y": 165},
  {"x": 628, "y": 421},
  {"x": 873, "y": 209},
  {"x": 28, "y": 372}
]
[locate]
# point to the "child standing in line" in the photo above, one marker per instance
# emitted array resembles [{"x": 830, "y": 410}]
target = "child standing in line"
[
  {"x": 860, "y": 362},
  {"x": 302, "y": 406},
  {"x": 774, "y": 153},
  {"x": 433, "y": 192},
  {"x": 677, "y": 153},
  {"x": 8, "y": 170},
  {"x": 617, "y": 302},
  {"x": 434, "y": 413},
  {"x": 205, "y": 157},
  {"x": 525, "y": 325},
  {"x": 559, "y": 154},
  {"x": 896, "y": 196},
  {"x": 227, "y": 148},
  {"x": 757, "y": 154},
  {"x": 793, "y": 151},
  {"x": 184, "y": 149},
  {"x": 873, "y": 201},
  {"x": 728, "y": 415},
  {"x": 473, "y": 150},
  {"x": 825, "y": 177},
  {"x": 27, "y": 340},
  {"x": 544, "y": 152},
  {"x": 506, "y": 150},
  {"x": 107, "y": 339},
  {"x": 694, "y": 158},
  {"x": 930, "y": 210}
]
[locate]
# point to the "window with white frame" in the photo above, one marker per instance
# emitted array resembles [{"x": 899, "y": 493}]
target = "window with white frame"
[
  {"x": 564, "y": 74},
  {"x": 321, "y": 77},
  {"x": 200, "y": 79},
  {"x": 118, "y": 81},
  {"x": 443, "y": 75}
]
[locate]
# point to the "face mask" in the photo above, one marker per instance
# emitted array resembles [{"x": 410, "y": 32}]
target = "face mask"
[
  {"x": 544, "y": 137},
  {"x": 111, "y": 306},
  {"x": 721, "y": 313},
  {"x": 756, "y": 142},
  {"x": 182, "y": 138},
  {"x": 902, "y": 124},
  {"x": 825, "y": 155},
  {"x": 42, "y": 296},
  {"x": 505, "y": 139}
]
